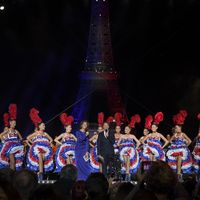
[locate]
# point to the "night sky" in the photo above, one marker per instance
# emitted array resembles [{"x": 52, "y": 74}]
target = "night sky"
[{"x": 156, "y": 47}]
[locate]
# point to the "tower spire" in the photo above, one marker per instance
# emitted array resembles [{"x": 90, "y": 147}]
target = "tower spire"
[
  {"x": 98, "y": 74},
  {"x": 99, "y": 53}
]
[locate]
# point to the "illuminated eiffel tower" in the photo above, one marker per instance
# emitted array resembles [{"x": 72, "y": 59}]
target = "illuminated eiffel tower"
[{"x": 99, "y": 78}]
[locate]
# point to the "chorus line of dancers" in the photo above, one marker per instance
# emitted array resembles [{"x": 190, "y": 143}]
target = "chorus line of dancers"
[{"x": 94, "y": 154}]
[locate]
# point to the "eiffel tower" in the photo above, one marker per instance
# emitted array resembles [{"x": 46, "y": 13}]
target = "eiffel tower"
[{"x": 99, "y": 78}]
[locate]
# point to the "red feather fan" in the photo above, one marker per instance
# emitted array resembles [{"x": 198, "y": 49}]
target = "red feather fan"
[
  {"x": 118, "y": 118},
  {"x": 110, "y": 119},
  {"x": 134, "y": 119},
  {"x": 100, "y": 118},
  {"x": 198, "y": 116},
  {"x": 148, "y": 121},
  {"x": 13, "y": 111},
  {"x": 158, "y": 117},
  {"x": 6, "y": 119},
  {"x": 34, "y": 115}
]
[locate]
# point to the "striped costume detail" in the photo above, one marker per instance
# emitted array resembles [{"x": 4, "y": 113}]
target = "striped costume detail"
[
  {"x": 153, "y": 147},
  {"x": 196, "y": 155},
  {"x": 177, "y": 148},
  {"x": 12, "y": 145},
  {"x": 63, "y": 152},
  {"x": 94, "y": 159},
  {"x": 127, "y": 148},
  {"x": 40, "y": 144},
  {"x": 141, "y": 149},
  {"x": 3, "y": 159}
]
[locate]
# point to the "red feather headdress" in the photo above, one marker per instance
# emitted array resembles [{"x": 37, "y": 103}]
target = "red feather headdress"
[
  {"x": 148, "y": 121},
  {"x": 13, "y": 111},
  {"x": 118, "y": 118},
  {"x": 34, "y": 115},
  {"x": 63, "y": 118},
  {"x": 158, "y": 118},
  {"x": 70, "y": 120},
  {"x": 179, "y": 118},
  {"x": 134, "y": 119},
  {"x": 100, "y": 118},
  {"x": 66, "y": 120},
  {"x": 110, "y": 119},
  {"x": 6, "y": 119},
  {"x": 183, "y": 113}
]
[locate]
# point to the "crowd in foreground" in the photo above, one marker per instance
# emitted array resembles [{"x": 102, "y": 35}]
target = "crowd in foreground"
[{"x": 157, "y": 183}]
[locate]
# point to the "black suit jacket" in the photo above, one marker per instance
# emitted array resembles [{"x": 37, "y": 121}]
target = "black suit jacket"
[{"x": 105, "y": 145}]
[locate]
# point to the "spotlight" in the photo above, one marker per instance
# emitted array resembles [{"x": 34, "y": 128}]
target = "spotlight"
[{"x": 2, "y": 7}]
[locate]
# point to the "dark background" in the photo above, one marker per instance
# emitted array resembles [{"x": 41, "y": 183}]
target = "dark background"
[{"x": 156, "y": 46}]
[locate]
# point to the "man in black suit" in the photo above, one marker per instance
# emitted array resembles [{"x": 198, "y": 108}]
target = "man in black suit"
[{"x": 105, "y": 148}]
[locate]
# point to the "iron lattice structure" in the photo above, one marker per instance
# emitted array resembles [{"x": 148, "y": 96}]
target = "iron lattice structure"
[{"x": 99, "y": 74}]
